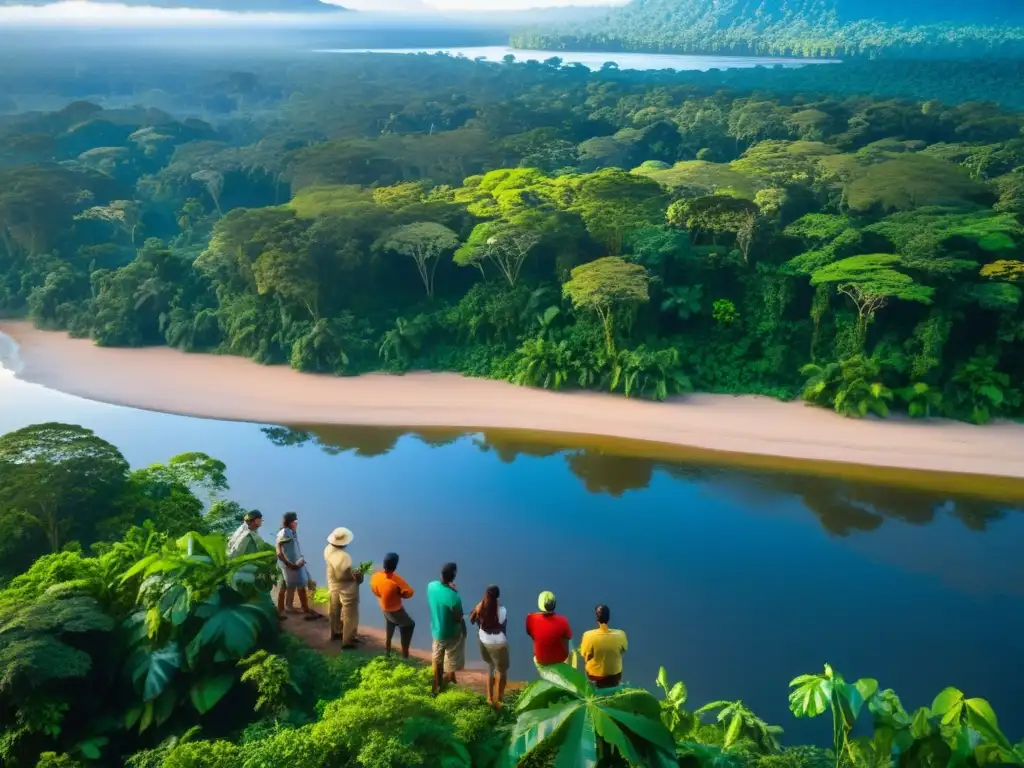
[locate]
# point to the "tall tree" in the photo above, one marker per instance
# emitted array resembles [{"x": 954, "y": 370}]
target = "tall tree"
[
  {"x": 506, "y": 244},
  {"x": 423, "y": 242},
  {"x": 605, "y": 286},
  {"x": 870, "y": 282},
  {"x": 62, "y": 477}
]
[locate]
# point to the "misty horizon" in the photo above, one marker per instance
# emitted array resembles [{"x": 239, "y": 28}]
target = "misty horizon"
[{"x": 108, "y": 14}]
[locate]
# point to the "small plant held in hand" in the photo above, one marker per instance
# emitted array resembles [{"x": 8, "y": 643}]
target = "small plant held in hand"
[{"x": 365, "y": 567}]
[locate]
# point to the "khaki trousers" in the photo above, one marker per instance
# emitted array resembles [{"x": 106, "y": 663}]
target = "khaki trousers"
[{"x": 344, "y": 615}]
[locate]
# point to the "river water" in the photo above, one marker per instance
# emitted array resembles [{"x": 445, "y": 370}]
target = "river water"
[
  {"x": 737, "y": 580},
  {"x": 595, "y": 60}
]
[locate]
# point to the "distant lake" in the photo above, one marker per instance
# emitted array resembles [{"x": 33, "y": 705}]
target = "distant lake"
[
  {"x": 737, "y": 580},
  {"x": 594, "y": 60}
]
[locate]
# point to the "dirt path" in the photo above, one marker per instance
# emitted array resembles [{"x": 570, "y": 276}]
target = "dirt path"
[{"x": 371, "y": 642}]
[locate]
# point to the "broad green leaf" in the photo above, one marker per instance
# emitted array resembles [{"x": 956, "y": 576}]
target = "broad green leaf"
[
  {"x": 578, "y": 742},
  {"x": 538, "y": 695},
  {"x": 147, "y": 717},
  {"x": 867, "y": 687},
  {"x": 152, "y": 671},
  {"x": 636, "y": 701},
  {"x": 982, "y": 718},
  {"x": 174, "y": 604},
  {"x": 91, "y": 749},
  {"x": 234, "y": 629},
  {"x": 565, "y": 677},
  {"x": 946, "y": 700},
  {"x": 650, "y": 730},
  {"x": 811, "y": 698},
  {"x": 902, "y": 741},
  {"x": 608, "y": 730},
  {"x": 163, "y": 707},
  {"x": 533, "y": 728},
  {"x": 131, "y": 717},
  {"x": 883, "y": 739},
  {"x": 920, "y": 725},
  {"x": 804, "y": 679},
  {"x": 992, "y": 392},
  {"x": 982, "y": 709},
  {"x": 139, "y": 567},
  {"x": 206, "y": 692}
]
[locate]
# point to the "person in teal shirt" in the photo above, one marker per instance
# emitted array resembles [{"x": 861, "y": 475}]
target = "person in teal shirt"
[{"x": 447, "y": 627}]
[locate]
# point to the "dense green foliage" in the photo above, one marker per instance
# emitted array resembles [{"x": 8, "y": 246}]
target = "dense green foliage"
[
  {"x": 843, "y": 28},
  {"x": 60, "y": 483},
  {"x": 493, "y": 219},
  {"x": 158, "y": 651}
]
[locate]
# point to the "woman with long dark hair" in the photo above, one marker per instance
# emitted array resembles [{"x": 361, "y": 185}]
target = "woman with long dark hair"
[{"x": 492, "y": 619}]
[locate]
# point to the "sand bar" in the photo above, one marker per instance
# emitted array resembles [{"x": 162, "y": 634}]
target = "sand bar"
[{"x": 234, "y": 388}]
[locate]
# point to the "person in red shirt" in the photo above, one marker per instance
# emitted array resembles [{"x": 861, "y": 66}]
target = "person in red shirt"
[{"x": 551, "y": 632}]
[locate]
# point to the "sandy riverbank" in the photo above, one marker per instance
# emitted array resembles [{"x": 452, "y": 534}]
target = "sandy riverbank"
[{"x": 210, "y": 386}]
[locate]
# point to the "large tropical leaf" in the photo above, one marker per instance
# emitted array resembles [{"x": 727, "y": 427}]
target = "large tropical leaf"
[
  {"x": 539, "y": 726},
  {"x": 578, "y": 747},
  {"x": 233, "y": 629},
  {"x": 565, "y": 677},
  {"x": 651, "y": 731},
  {"x": 609, "y": 730},
  {"x": 175, "y": 604},
  {"x": 812, "y": 695},
  {"x": 152, "y": 671},
  {"x": 206, "y": 692},
  {"x": 538, "y": 695}
]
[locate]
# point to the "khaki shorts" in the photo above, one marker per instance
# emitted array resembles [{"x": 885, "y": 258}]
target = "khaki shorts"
[
  {"x": 496, "y": 656},
  {"x": 451, "y": 653}
]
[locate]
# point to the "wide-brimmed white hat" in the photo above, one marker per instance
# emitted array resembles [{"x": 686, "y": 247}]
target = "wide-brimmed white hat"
[{"x": 340, "y": 537}]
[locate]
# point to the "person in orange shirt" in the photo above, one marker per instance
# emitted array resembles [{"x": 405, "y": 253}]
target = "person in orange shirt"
[{"x": 391, "y": 589}]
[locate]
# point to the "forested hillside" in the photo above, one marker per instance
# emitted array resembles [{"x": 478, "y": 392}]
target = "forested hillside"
[
  {"x": 630, "y": 232},
  {"x": 840, "y": 28}
]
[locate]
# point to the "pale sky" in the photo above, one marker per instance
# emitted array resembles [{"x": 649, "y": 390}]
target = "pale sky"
[
  {"x": 84, "y": 13},
  {"x": 383, "y": 6}
]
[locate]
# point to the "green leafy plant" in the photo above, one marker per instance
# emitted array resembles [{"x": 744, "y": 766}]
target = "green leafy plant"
[
  {"x": 740, "y": 723},
  {"x": 270, "y": 675},
  {"x": 922, "y": 399},
  {"x": 200, "y": 613},
  {"x": 564, "y": 710},
  {"x": 684, "y": 301},
  {"x": 655, "y": 374},
  {"x": 543, "y": 363},
  {"x": 814, "y": 694},
  {"x": 677, "y": 720},
  {"x": 401, "y": 344},
  {"x": 979, "y": 392},
  {"x": 724, "y": 312},
  {"x": 850, "y": 387}
]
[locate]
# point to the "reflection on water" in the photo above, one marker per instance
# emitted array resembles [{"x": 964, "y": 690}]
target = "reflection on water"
[
  {"x": 842, "y": 506},
  {"x": 736, "y": 573}
]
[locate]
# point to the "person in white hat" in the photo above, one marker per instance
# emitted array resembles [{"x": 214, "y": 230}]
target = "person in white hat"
[{"x": 343, "y": 586}]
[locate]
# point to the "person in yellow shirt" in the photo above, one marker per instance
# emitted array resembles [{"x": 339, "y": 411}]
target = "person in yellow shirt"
[
  {"x": 602, "y": 649},
  {"x": 343, "y": 587}
]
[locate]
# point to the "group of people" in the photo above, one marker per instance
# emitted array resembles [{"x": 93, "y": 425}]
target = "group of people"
[{"x": 602, "y": 648}]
